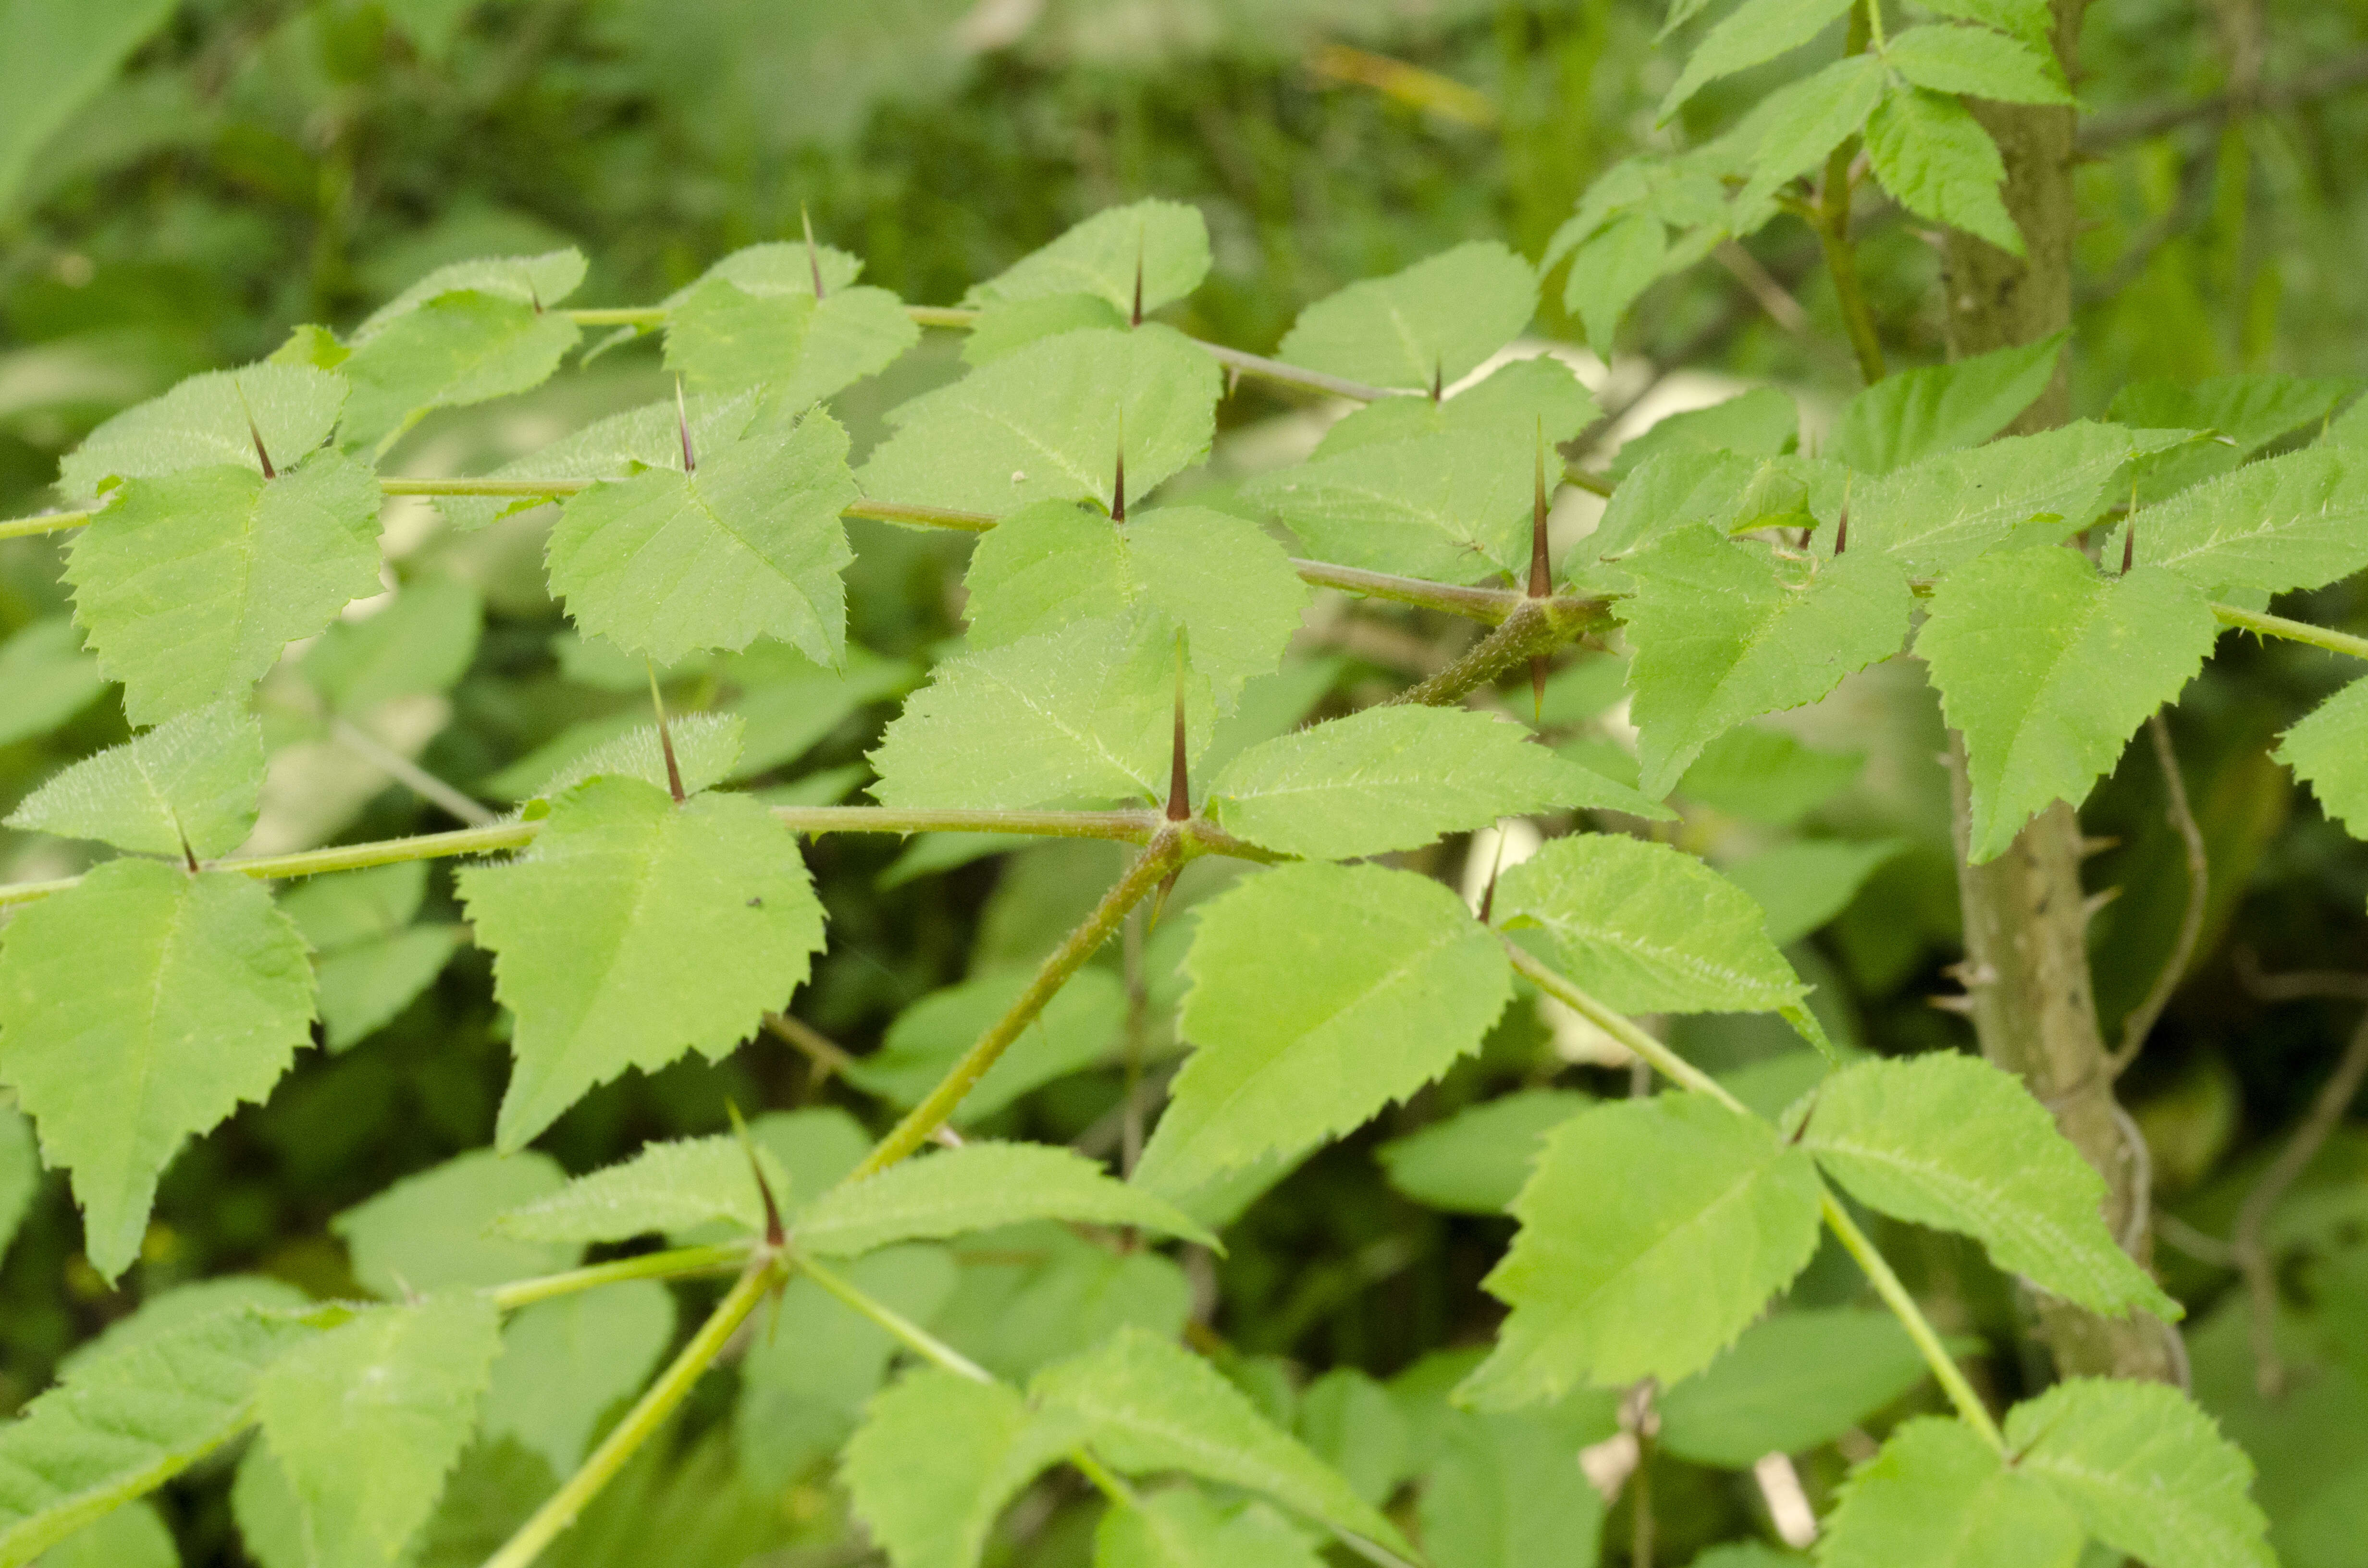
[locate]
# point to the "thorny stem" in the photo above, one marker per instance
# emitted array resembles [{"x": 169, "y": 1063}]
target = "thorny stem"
[
  {"x": 2262, "y": 625},
  {"x": 46, "y": 523},
  {"x": 1536, "y": 627},
  {"x": 674, "y": 1264}
]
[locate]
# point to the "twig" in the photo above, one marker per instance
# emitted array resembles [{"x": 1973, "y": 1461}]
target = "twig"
[
  {"x": 410, "y": 775},
  {"x": 825, "y": 1054},
  {"x": 1538, "y": 627},
  {"x": 2142, "y": 1020}
]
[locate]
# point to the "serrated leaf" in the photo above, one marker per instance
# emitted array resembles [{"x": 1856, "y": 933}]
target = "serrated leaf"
[
  {"x": 202, "y": 423},
  {"x": 457, "y": 348},
  {"x": 1730, "y": 493},
  {"x": 980, "y": 1187},
  {"x": 1452, "y": 507},
  {"x": 422, "y": 642},
  {"x": 1219, "y": 577},
  {"x": 1978, "y": 62},
  {"x": 707, "y": 749},
  {"x": 433, "y": 1230},
  {"x": 1948, "y": 1139},
  {"x": 749, "y": 545},
  {"x": 1147, "y": 1404},
  {"x": 1752, "y": 34},
  {"x": 134, "y": 1536},
  {"x": 20, "y": 1173},
  {"x": 1078, "y": 1028},
  {"x": 1475, "y": 1161},
  {"x": 1168, "y": 241},
  {"x": 1521, "y": 401},
  {"x": 1726, "y": 630},
  {"x": 2147, "y": 1472},
  {"x": 1763, "y": 421},
  {"x": 1611, "y": 270},
  {"x": 1434, "y": 322},
  {"x": 142, "y": 1007},
  {"x": 190, "y": 585},
  {"x": 2329, "y": 750},
  {"x": 45, "y": 678},
  {"x": 567, "y": 1362},
  {"x": 1500, "y": 1495},
  {"x": 546, "y": 279},
  {"x": 1794, "y": 1382},
  {"x": 1942, "y": 511},
  {"x": 1941, "y": 408},
  {"x": 2030, "y": 20},
  {"x": 1043, "y": 424},
  {"x": 2297, "y": 521},
  {"x": 1806, "y": 121},
  {"x": 1804, "y": 883},
  {"x": 1180, "y": 1528},
  {"x": 1647, "y": 929},
  {"x": 666, "y": 1186},
  {"x": 2017, "y": 643},
  {"x": 1935, "y": 159},
  {"x": 1320, "y": 994},
  {"x": 1399, "y": 777},
  {"x": 722, "y": 338},
  {"x": 1658, "y": 1283},
  {"x": 1081, "y": 716},
  {"x": 367, "y": 1419},
  {"x": 633, "y": 929},
  {"x": 1937, "y": 1495},
  {"x": 190, "y": 781},
  {"x": 937, "y": 1459},
  {"x": 124, "y": 1423}
]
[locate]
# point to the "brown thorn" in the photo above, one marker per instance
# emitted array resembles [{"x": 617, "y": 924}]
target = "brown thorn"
[
  {"x": 814, "y": 257},
  {"x": 665, "y": 736},
  {"x": 260, "y": 454},
  {"x": 1117, "y": 486},
  {"x": 775, "y": 1232},
  {"x": 1488, "y": 896},
  {"x": 1137, "y": 318},
  {"x": 1179, "y": 779},
  {"x": 1841, "y": 534},
  {"x": 189, "y": 856},
  {"x": 682, "y": 423},
  {"x": 1438, "y": 380}
]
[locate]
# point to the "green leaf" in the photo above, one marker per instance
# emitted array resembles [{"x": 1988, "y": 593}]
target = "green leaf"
[
  {"x": 1940, "y": 1497},
  {"x": 2329, "y": 750},
  {"x": 1452, "y": 507},
  {"x": 422, "y": 641},
  {"x": 1656, "y": 1284},
  {"x": 1433, "y": 322},
  {"x": 722, "y": 338},
  {"x": 1726, "y": 630},
  {"x": 1752, "y": 34},
  {"x": 980, "y": 1187},
  {"x": 142, "y": 1007},
  {"x": 1475, "y": 1161},
  {"x": 203, "y": 422},
  {"x": 937, "y": 1459},
  {"x": 169, "y": 582},
  {"x": 1729, "y": 492},
  {"x": 45, "y": 678},
  {"x": 20, "y": 1173},
  {"x": 53, "y": 59},
  {"x": 1320, "y": 994},
  {"x": 750, "y": 545},
  {"x": 1806, "y": 121},
  {"x": 1007, "y": 327},
  {"x": 134, "y": 1535},
  {"x": 2021, "y": 645},
  {"x": 1763, "y": 421},
  {"x": 789, "y": 703},
  {"x": 1501, "y": 1495},
  {"x": 777, "y": 267},
  {"x": 2146, "y": 1470},
  {"x": 1942, "y": 511},
  {"x": 191, "y": 782},
  {"x": 1146, "y": 1404},
  {"x": 633, "y": 929},
  {"x": 2248, "y": 411},
  {"x": 362, "y": 987},
  {"x": 459, "y": 349},
  {"x": 1804, "y": 883},
  {"x": 1399, "y": 777},
  {"x": 1046, "y": 1293},
  {"x": 1081, "y": 716},
  {"x": 1165, "y": 242},
  {"x": 2030, "y": 20},
  {"x": 1647, "y": 929},
  {"x": 1977, "y": 62},
  {"x": 1935, "y": 159},
  {"x": 666, "y": 1186},
  {"x": 123, "y": 1424},
  {"x": 1765, "y": 776},
  {"x": 2297, "y": 521},
  {"x": 1219, "y": 577},
  {"x": 707, "y": 749},
  {"x": 1941, "y": 408},
  {"x": 1354, "y": 1426},
  {"x": 568, "y": 1361},
  {"x": 367, "y": 1419},
  {"x": 545, "y": 280},
  {"x": 1611, "y": 270},
  {"x": 1077, "y": 1029},
  {"x": 1518, "y": 401},
  {"x": 434, "y": 1230},
  {"x": 1794, "y": 1382},
  {"x": 1043, "y": 424},
  {"x": 1180, "y": 1528},
  {"x": 1950, "y": 1140}
]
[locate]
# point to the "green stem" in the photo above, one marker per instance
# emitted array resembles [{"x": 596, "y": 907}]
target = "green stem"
[
  {"x": 2262, "y": 625},
  {"x": 1166, "y": 852},
  {"x": 1593, "y": 483},
  {"x": 644, "y": 315},
  {"x": 927, "y": 516},
  {"x": 548, "y": 489},
  {"x": 671, "y": 1265},
  {"x": 1911, "y": 1317},
  {"x": 1128, "y": 827},
  {"x": 946, "y": 317},
  {"x": 1873, "y": 24},
  {"x": 46, "y": 523},
  {"x": 1491, "y": 606},
  {"x": 642, "y": 1421},
  {"x": 1620, "y": 1027},
  {"x": 1536, "y": 628},
  {"x": 1292, "y": 375},
  {"x": 1832, "y": 221}
]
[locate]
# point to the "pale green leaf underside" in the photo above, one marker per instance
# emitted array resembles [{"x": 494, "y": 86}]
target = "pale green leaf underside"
[
  {"x": 722, "y": 338},
  {"x": 202, "y": 423},
  {"x": 1950, "y": 1140},
  {"x": 1939, "y": 1497},
  {"x": 191, "y": 782},
  {"x": 937, "y": 1459},
  {"x": 2329, "y": 750},
  {"x": 634, "y": 930},
  {"x": 980, "y": 1187},
  {"x": 707, "y": 750},
  {"x": 1529, "y": 400},
  {"x": 777, "y": 267},
  {"x": 1656, "y": 1284},
  {"x": 1164, "y": 242},
  {"x": 668, "y": 1186},
  {"x": 1435, "y": 322},
  {"x": 2147, "y": 1472},
  {"x": 1320, "y": 994},
  {"x": 142, "y": 1007}
]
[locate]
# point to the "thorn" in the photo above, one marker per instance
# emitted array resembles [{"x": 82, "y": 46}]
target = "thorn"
[
  {"x": 1540, "y": 561},
  {"x": 1804, "y": 536},
  {"x": 1488, "y": 895},
  {"x": 1159, "y": 900},
  {"x": 682, "y": 423},
  {"x": 1960, "y": 1006},
  {"x": 1841, "y": 534},
  {"x": 2130, "y": 534},
  {"x": 1117, "y": 486},
  {"x": 814, "y": 257},
  {"x": 946, "y": 1137},
  {"x": 1136, "y": 319},
  {"x": 260, "y": 454},
  {"x": 1438, "y": 380},
  {"x": 775, "y": 1232},
  {"x": 1179, "y": 782},
  {"x": 1232, "y": 379},
  {"x": 534, "y": 296},
  {"x": 189, "y": 856},
  {"x": 2089, "y": 847},
  {"x": 2097, "y": 901},
  {"x": 665, "y": 735}
]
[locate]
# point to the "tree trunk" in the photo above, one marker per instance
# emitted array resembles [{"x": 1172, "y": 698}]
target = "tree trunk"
[{"x": 2026, "y": 924}]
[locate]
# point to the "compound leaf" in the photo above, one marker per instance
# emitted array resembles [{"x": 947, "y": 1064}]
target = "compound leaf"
[
  {"x": 724, "y": 338},
  {"x": 1796, "y": 1381},
  {"x": 1164, "y": 242},
  {"x": 2329, "y": 751},
  {"x": 633, "y": 929},
  {"x": 1935, "y": 159},
  {"x": 461, "y": 348},
  {"x": 1320, "y": 994},
  {"x": 2297, "y": 521},
  {"x": 1806, "y": 121},
  {"x": 2147, "y": 1472},
  {"x": 707, "y": 750},
  {"x": 1941, "y": 408},
  {"x": 142, "y": 1007},
  {"x": 1754, "y": 33},
  {"x": 1948, "y": 1139},
  {"x": 668, "y": 1186},
  {"x": 1940, "y": 1497},
  {"x": 979, "y": 1186},
  {"x": 191, "y": 583},
  {"x": 2046, "y": 667},
  {"x": 190, "y": 781},
  {"x": 1977, "y": 62},
  {"x": 1656, "y": 1284},
  {"x": 747, "y": 545},
  {"x": 203, "y": 422},
  {"x": 938, "y": 1456},
  {"x": 1432, "y": 323},
  {"x": 1475, "y": 1161}
]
